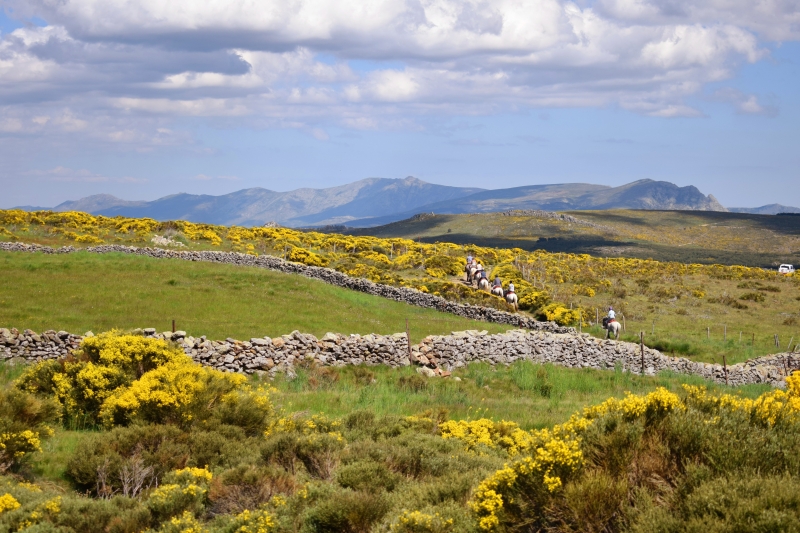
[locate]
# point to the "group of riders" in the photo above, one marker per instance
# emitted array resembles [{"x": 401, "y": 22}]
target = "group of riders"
[
  {"x": 476, "y": 273},
  {"x": 473, "y": 265}
]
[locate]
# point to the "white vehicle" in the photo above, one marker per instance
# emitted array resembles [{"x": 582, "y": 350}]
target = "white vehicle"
[{"x": 786, "y": 269}]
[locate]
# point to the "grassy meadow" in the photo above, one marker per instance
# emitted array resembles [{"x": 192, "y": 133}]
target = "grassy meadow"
[{"x": 89, "y": 292}]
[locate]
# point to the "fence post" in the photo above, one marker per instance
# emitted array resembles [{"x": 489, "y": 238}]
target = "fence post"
[
  {"x": 408, "y": 340},
  {"x": 623, "y": 324},
  {"x": 641, "y": 348},
  {"x": 173, "y": 325},
  {"x": 654, "y": 326},
  {"x": 725, "y": 332},
  {"x": 708, "y": 333},
  {"x": 753, "y": 342},
  {"x": 789, "y": 346},
  {"x": 596, "y": 316}
]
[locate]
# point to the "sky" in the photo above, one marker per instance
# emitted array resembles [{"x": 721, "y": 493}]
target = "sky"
[{"x": 145, "y": 98}]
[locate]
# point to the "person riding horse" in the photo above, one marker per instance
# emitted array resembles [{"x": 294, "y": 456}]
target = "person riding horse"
[
  {"x": 510, "y": 288},
  {"x": 497, "y": 282},
  {"x": 610, "y": 317}
]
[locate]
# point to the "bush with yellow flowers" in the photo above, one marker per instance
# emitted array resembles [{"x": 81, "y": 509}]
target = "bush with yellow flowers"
[
  {"x": 25, "y": 420},
  {"x": 117, "y": 379}
]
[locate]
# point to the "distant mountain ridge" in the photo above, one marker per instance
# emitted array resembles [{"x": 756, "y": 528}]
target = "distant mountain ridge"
[
  {"x": 376, "y": 201},
  {"x": 771, "y": 209}
]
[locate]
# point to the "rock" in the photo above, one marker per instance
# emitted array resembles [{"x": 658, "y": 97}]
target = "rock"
[
  {"x": 88, "y": 334},
  {"x": 260, "y": 342},
  {"x": 178, "y": 335},
  {"x": 149, "y": 331},
  {"x": 425, "y": 371},
  {"x": 278, "y": 342}
]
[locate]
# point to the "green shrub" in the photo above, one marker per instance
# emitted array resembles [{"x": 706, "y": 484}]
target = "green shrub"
[
  {"x": 248, "y": 487},
  {"x": 367, "y": 475},
  {"x": 744, "y": 502},
  {"x": 347, "y": 511},
  {"x": 24, "y": 420}
]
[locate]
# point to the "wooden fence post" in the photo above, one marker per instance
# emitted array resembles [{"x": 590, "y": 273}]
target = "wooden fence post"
[
  {"x": 725, "y": 332},
  {"x": 708, "y": 333},
  {"x": 173, "y": 325},
  {"x": 641, "y": 348},
  {"x": 623, "y": 324},
  {"x": 654, "y": 326},
  {"x": 408, "y": 339}
]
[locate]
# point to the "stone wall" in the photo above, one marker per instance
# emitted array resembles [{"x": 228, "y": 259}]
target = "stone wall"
[
  {"x": 327, "y": 275},
  {"x": 435, "y": 355}
]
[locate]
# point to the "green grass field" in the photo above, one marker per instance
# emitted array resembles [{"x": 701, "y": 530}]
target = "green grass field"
[{"x": 81, "y": 292}]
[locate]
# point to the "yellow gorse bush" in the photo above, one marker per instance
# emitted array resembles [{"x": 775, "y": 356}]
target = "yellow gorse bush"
[
  {"x": 769, "y": 409},
  {"x": 8, "y": 503},
  {"x": 487, "y": 433},
  {"x": 419, "y": 522},
  {"x": 554, "y": 456},
  {"x": 115, "y": 379}
]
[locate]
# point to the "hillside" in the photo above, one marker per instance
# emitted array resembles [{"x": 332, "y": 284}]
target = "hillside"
[
  {"x": 683, "y": 236},
  {"x": 98, "y": 293}
]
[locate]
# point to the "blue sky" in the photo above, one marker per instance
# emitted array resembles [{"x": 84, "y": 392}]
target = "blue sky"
[{"x": 146, "y": 99}]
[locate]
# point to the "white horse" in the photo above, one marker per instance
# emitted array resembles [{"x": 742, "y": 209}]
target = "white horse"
[
  {"x": 511, "y": 299},
  {"x": 497, "y": 291},
  {"x": 471, "y": 271},
  {"x": 612, "y": 327},
  {"x": 483, "y": 284}
]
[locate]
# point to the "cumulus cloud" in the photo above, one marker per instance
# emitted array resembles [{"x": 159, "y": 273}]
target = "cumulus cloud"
[{"x": 123, "y": 72}]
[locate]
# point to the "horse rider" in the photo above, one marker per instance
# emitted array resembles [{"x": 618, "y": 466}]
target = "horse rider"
[
  {"x": 480, "y": 270},
  {"x": 510, "y": 288},
  {"x": 497, "y": 282},
  {"x": 469, "y": 259},
  {"x": 609, "y": 318}
]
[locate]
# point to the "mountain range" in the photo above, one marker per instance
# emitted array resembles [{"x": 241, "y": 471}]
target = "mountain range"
[{"x": 376, "y": 201}]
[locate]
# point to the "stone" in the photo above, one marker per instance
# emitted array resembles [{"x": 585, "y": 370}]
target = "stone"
[
  {"x": 88, "y": 334},
  {"x": 425, "y": 371},
  {"x": 178, "y": 335},
  {"x": 278, "y": 342},
  {"x": 260, "y": 342}
]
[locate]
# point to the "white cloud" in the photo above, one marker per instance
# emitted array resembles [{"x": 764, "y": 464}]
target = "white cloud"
[{"x": 117, "y": 71}]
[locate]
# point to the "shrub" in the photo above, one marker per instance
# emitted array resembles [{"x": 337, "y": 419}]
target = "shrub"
[
  {"x": 346, "y": 511},
  {"x": 248, "y": 487},
  {"x": 558, "y": 313},
  {"x": 367, "y": 475},
  {"x": 412, "y": 383},
  {"x": 24, "y": 420},
  {"x": 419, "y": 522},
  {"x": 182, "y": 491},
  {"x": 753, "y": 297}
]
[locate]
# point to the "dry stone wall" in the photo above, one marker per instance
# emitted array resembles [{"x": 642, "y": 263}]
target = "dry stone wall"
[
  {"x": 435, "y": 355},
  {"x": 327, "y": 275}
]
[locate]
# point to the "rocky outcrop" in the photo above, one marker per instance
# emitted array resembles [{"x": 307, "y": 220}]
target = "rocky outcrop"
[
  {"x": 327, "y": 275},
  {"x": 435, "y": 355}
]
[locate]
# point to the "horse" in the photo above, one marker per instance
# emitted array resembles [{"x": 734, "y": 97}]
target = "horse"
[
  {"x": 483, "y": 284},
  {"x": 511, "y": 299},
  {"x": 470, "y": 270},
  {"x": 497, "y": 291},
  {"x": 611, "y": 326}
]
